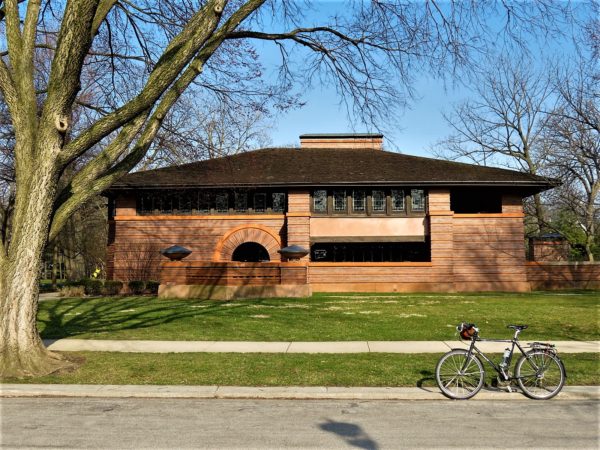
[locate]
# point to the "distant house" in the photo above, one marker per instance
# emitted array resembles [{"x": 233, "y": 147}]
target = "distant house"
[{"x": 371, "y": 221}]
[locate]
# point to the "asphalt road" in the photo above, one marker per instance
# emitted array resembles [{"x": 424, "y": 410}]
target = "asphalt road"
[{"x": 326, "y": 424}]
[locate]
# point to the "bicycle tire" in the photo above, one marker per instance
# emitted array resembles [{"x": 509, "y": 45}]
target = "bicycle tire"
[
  {"x": 541, "y": 376},
  {"x": 455, "y": 384}
]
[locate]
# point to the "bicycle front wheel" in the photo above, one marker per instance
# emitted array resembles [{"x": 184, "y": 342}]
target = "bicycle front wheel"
[
  {"x": 459, "y": 376},
  {"x": 540, "y": 374}
]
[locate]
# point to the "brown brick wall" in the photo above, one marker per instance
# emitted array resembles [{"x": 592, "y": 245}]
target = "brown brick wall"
[
  {"x": 489, "y": 252},
  {"x": 563, "y": 275},
  {"x": 469, "y": 252},
  {"x": 137, "y": 240},
  {"x": 298, "y": 219}
]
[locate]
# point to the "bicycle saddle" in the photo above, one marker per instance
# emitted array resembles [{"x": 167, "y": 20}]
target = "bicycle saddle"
[{"x": 518, "y": 327}]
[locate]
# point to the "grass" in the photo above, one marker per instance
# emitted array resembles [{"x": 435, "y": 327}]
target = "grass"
[
  {"x": 229, "y": 369},
  {"x": 325, "y": 317}
]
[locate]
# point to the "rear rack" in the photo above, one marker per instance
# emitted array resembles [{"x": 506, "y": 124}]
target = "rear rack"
[{"x": 546, "y": 346}]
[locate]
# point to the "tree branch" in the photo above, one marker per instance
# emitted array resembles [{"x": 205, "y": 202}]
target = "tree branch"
[
  {"x": 96, "y": 175},
  {"x": 104, "y": 7},
  {"x": 177, "y": 55}
]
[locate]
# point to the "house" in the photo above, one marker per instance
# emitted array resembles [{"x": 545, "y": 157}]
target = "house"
[{"x": 371, "y": 221}]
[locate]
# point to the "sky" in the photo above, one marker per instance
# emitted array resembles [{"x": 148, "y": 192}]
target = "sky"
[{"x": 414, "y": 131}]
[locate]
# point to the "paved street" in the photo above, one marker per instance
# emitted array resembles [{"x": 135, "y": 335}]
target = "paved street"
[{"x": 187, "y": 423}]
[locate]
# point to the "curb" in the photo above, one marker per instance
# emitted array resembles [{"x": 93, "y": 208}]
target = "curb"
[{"x": 269, "y": 393}]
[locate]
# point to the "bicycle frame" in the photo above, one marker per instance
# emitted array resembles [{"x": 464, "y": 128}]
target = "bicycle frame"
[{"x": 514, "y": 342}]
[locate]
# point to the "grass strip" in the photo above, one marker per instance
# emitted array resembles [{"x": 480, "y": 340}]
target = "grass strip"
[
  {"x": 235, "y": 369},
  {"x": 325, "y": 317}
]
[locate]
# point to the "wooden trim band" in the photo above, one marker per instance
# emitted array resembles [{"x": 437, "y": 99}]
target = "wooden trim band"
[
  {"x": 370, "y": 264},
  {"x": 489, "y": 216},
  {"x": 203, "y": 217},
  {"x": 365, "y": 239}
]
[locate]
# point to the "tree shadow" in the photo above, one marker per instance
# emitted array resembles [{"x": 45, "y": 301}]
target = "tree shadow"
[
  {"x": 73, "y": 317},
  {"x": 352, "y": 434},
  {"x": 427, "y": 383}
]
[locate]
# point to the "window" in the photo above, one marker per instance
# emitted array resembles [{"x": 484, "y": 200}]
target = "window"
[
  {"x": 187, "y": 201},
  {"x": 475, "y": 201},
  {"x": 241, "y": 201},
  {"x": 204, "y": 202},
  {"x": 397, "y": 200},
  {"x": 222, "y": 202},
  {"x": 260, "y": 202},
  {"x": 278, "y": 201},
  {"x": 320, "y": 200},
  {"x": 339, "y": 201},
  {"x": 359, "y": 203},
  {"x": 144, "y": 205},
  {"x": 378, "y": 201},
  {"x": 371, "y": 252},
  {"x": 417, "y": 200}
]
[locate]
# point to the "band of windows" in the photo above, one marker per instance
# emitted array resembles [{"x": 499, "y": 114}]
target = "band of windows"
[
  {"x": 373, "y": 201},
  {"x": 209, "y": 202}
]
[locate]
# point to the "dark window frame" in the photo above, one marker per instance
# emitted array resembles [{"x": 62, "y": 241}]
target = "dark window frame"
[
  {"x": 369, "y": 211},
  {"x": 186, "y": 202}
]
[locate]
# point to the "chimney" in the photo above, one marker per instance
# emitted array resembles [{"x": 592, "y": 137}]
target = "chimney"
[{"x": 356, "y": 140}]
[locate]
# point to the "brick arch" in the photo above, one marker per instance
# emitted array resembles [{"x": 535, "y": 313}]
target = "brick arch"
[{"x": 248, "y": 233}]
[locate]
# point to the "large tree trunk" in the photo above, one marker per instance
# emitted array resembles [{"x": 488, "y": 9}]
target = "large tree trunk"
[{"x": 22, "y": 352}]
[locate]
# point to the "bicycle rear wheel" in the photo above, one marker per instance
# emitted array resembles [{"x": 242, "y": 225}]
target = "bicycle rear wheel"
[
  {"x": 541, "y": 375},
  {"x": 459, "y": 376}
]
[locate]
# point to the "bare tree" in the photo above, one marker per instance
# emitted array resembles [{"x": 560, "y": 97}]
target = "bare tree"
[
  {"x": 214, "y": 129},
  {"x": 504, "y": 124},
  {"x": 141, "y": 56},
  {"x": 572, "y": 138}
]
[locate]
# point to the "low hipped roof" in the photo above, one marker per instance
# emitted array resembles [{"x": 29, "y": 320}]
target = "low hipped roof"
[{"x": 328, "y": 167}]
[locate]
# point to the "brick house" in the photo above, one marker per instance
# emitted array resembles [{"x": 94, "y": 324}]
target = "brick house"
[{"x": 371, "y": 220}]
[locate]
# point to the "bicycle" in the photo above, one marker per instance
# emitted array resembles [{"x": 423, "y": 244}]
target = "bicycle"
[{"x": 539, "y": 371}]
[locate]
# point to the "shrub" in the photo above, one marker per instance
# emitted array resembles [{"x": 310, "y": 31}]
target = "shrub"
[
  {"x": 72, "y": 291},
  {"x": 136, "y": 287},
  {"x": 46, "y": 287},
  {"x": 112, "y": 287},
  {"x": 92, "y": 286},
  {"x": 152, "y": 287}
]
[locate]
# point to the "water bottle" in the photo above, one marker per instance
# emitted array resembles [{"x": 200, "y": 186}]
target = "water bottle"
[{"x": 505, "y": 357}]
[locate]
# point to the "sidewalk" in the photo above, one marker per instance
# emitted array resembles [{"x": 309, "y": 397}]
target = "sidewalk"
[
  {"x": 72, "y": 345},
  {"x": 270, "y": 393},
  {"x": 288, "y": 392}
]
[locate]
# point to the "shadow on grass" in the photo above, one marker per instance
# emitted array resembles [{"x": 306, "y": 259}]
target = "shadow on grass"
[
  {"x": 72, "y": 317},
  {"x": 427, "y": 383}
]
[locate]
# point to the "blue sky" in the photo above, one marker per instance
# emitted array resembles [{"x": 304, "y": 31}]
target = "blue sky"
[{"x": 414, "y": 131}]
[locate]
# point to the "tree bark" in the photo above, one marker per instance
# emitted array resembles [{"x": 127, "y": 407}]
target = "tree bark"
[{"x": 22, "y": 352}]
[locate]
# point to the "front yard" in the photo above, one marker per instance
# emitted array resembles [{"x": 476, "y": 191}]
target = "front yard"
[{"x": 325, "y": 317}]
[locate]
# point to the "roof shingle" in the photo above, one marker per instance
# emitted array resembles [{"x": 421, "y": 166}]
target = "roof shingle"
[{"x": 328, "y": 167}]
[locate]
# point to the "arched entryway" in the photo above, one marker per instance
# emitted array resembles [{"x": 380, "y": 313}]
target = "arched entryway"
[
  {"x": 250, "y": 252},
  {"x": 255, "y": 234}
]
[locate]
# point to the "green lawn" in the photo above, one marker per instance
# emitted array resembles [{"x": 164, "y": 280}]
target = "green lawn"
[
  {"x": 325, "y": 317},
  {"x": 234, "y": 369}
]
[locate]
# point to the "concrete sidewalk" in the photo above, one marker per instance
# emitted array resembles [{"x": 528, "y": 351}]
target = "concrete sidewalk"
[
  {"x": 72, "y": 345},
  {"x": 289, "y": 392}
]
